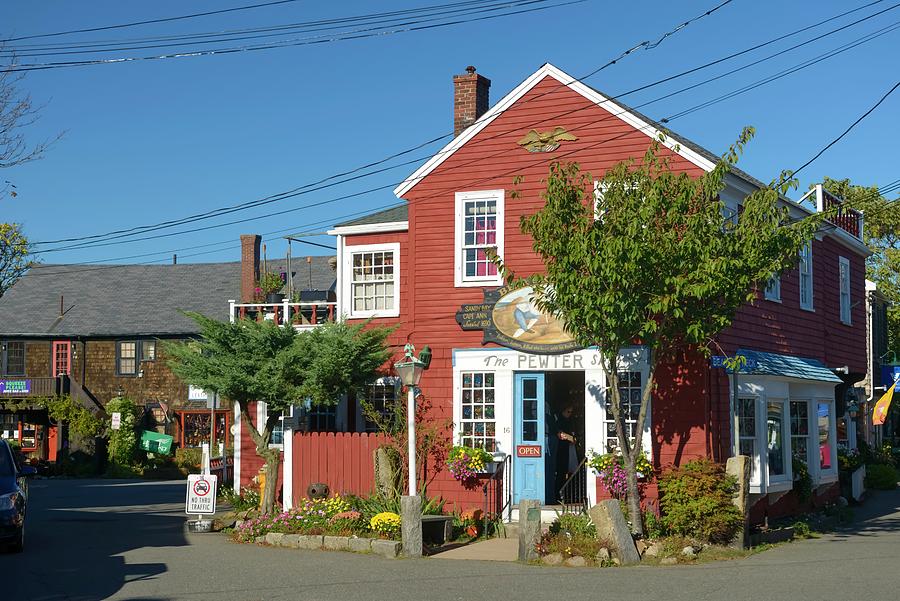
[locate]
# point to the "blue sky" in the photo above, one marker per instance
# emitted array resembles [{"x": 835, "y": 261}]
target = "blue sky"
[{"x": 156, "y": 140}]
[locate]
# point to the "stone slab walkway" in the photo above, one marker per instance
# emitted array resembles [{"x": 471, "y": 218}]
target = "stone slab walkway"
[{"x": 492, "y": 549}]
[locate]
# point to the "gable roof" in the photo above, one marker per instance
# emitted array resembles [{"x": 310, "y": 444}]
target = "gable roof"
[
  {"x": 131, "y": 300},
  {"x": 391, "y": 215},
  {"x": 691, "y": 151}
]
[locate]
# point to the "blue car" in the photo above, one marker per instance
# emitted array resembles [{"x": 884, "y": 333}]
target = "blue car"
[{"x": 13, "y": 497}]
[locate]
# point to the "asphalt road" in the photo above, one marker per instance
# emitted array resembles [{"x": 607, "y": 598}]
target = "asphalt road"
[{"x": 105, "y": 539}]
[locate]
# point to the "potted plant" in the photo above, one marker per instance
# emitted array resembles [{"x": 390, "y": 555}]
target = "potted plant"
[{"x": 270, "y": 284}]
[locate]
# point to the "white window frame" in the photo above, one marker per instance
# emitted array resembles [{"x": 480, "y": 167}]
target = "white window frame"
[
  {"x": 773, "y": 288},
  {"x": 361, "y": 420},
  {"x": 634, "y": 359},
  {"x": 347, "y": 277},
  {"x": 783, "y": 481},
  {"x": 844, "y": 289},
  {"x": 810, "y": 425},
  {"x": 460, "y": 279},
  {"x": 459, "y": 433},
  {"x": 805, "y": 274},
  {"x": 756, "y": 464}
]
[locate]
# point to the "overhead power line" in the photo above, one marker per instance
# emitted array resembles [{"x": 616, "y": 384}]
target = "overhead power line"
[
  {"x": 395, "y": 17},
  {"x": 148, "y": 21},
  {"x": 521, "y": 5},
  {"x": 272, "y": 199},
  {"x": 846, "y": 131},
  {"x": 312, "y": 186}
]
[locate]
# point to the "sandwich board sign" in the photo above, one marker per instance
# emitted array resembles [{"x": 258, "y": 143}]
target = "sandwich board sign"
[{"x": 201, "y": 494}]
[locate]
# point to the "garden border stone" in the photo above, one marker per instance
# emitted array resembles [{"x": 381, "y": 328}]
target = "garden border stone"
[
  {"x": 290, "y": 541},
  {"x": 310, "y": 541},
  {"x": 386, "y": 548},
  {"x": 360, "y": 545},
  {"x": 336, "y": 543},
  {"x": 274, "y": 538}
]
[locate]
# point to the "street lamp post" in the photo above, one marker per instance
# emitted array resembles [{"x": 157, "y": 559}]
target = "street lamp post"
[{"x": 410, "y": 372}]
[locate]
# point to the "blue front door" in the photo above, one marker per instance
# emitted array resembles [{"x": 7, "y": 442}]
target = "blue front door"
[{"x": 529, "y": 435}]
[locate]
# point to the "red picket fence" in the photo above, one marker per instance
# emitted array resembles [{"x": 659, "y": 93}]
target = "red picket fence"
[{"x": 344, "y": 461}]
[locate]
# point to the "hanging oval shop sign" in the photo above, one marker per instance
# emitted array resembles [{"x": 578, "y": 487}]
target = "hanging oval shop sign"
[{"x": 511, "y": 318}]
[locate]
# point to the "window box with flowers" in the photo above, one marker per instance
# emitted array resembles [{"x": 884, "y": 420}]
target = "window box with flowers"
[
  {"x": 611, "y": 472},
  {"x": 467, "y": 463}
]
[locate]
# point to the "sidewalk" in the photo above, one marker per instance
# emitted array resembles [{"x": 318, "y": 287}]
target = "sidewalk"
[{"x": 492, "y": 549}]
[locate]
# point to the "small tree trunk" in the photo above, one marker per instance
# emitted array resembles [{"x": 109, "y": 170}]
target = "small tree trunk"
[
  {"x": 273, "y": 459},
  {"x": 634, "y": 497}
]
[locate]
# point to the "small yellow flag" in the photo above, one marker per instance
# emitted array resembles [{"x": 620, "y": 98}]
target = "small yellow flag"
[{"x": 882, "y": 406}]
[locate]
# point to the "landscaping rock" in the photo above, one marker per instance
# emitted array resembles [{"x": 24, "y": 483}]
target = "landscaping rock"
[
  {"x": 310, "y": 541},
  {"x": 386, "y": 548},
  {"x": 689, "y": 552},
  {"x": 602, "y": 555},
  {"x": 553, "y": 559},
  {"x": 274, "y": 538},
  {"x": 336, "y": 543},
  {"x": 361, "y": 545},
  {"x": 668, "y": 561},
  {"x": 260, "y": 540},
  {"x": 611, "y": 526},
  {"x": 576, "y": 562},
  {"x": 739, "y": 467},
  {"x": 220, "y": 524},
  {"x": 291, "y": 541},
  {"x": 615, "y": 561},
  {"x": 652, "y": 551}
]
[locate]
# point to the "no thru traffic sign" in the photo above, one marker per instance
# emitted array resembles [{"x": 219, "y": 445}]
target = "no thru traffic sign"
[{"x": 201, "y": 495}]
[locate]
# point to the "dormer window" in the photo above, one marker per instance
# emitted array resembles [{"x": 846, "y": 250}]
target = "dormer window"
[{"x": 479, "y": 228}]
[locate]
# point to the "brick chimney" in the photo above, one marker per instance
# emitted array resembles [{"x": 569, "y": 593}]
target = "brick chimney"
[
  {"x": 470, "y": 99},
  {"x": 249, "y": 265}
]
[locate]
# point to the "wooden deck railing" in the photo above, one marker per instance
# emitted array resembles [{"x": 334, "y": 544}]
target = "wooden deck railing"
[{"x": 301, "y": 315}]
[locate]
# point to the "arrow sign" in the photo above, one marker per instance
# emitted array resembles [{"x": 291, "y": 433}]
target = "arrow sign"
[{"x": 719, "y": 361}]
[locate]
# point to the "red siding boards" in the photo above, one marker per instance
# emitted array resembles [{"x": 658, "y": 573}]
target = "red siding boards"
[
  {"x": 690, "y": 411},
  {"x": 251, "y": 462}
]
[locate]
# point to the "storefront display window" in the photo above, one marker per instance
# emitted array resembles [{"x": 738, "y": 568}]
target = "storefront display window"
[
  {"x": 477, "y": 426},
  {"x": 825, "y": 442},
  {"x": 195, "y": 428},
  {"x": 775, "y": 438}
]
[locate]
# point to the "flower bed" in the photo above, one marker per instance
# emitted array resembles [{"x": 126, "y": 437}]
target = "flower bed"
[{"x": 335, "y": 516}]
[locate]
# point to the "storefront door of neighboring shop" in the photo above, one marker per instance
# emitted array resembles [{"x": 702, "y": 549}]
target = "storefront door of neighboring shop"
[{"x": 529, "y": 451}]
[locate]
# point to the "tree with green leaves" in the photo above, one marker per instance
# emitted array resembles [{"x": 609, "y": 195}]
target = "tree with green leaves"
[
  {"x": 248, "y": 361},
  {"x": 882, "y": 235},
  {"x": 14, "y": 261},
  {"x": 654, "y": 260}
]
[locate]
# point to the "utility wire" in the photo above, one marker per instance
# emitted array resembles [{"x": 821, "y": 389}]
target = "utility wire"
[
  {"x": 307, "y": 187},
  {"x": 109, "y": 243},
  {"x": 846, "y": 131},
  {"x": 352, "y": 35},
  {"x": 394, "y": 17},
  {"x": 147, "y": 22}
]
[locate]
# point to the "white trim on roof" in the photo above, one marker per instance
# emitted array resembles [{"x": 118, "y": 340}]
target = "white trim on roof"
[
  {"x": 369, "y": 228},
  {"x": 547, "y": 70}
]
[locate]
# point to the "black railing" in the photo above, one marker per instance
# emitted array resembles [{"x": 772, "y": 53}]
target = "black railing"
[
  {"x": 497, "y": 493},
  {"x": 573, "y": 494}
]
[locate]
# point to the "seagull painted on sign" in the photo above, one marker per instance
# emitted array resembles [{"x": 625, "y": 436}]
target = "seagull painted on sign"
[{"x": 526, "y": 315}]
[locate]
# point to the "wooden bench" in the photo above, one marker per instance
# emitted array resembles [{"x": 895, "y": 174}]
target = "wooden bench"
[{"x": 437, "y": 529}]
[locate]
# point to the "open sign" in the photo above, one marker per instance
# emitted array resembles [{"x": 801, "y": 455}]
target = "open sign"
[{"x": 528, "y": 450}]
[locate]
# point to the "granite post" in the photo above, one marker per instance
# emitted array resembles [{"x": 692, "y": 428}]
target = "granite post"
[
  {"x": 739, "y": 467},
  {"x": 411, "y": 525},
  {"x": 529, "y": 528}
]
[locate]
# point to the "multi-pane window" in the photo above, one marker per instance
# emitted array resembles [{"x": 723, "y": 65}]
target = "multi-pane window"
[
  {"x": 320, "y": 418},
  {"x": 373, "y": 281},
  {"x": 14, "y": 358},
  {"x": 126, "y": 358},
  {"x": 278, "y": 431},
  {"x": 800, "y": 430},
  {"x": 479, "y": 228},
  {"x": 823, "y": 421},
  {"x": 773, "y": 288},
  {"x": 148, "y": 350},
  {"x": 844, "y": 280},
  {"x": 477, "y": 426},
  {"x": 746, "y": 418},
  {"x": 806, "y": 277},
  {"x": 381, "y": 399},
  {"x": 630, "y": 390},
  {"x": 479, "y": 234},
  {"x": 775, "y": 438}
]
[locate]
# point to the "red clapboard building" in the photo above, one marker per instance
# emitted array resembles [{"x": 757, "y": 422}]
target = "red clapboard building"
[{"x": 510, "y": 379}]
